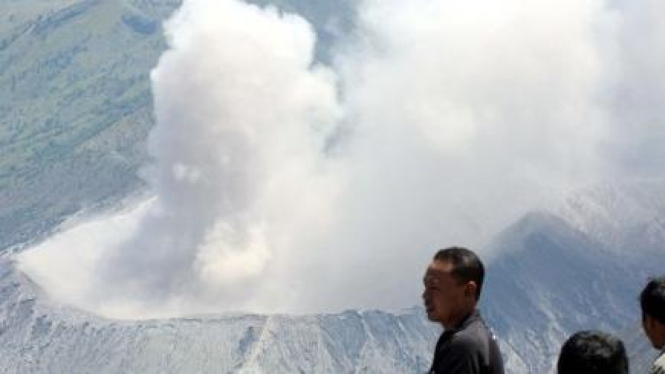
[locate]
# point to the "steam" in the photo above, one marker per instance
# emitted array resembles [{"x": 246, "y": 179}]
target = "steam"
[
  {"x": 242, "y": 115},
  {"x": 281, "y": 184}
]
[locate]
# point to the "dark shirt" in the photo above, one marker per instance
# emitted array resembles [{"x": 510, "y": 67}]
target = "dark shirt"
[{"x": 468, "y": 349}]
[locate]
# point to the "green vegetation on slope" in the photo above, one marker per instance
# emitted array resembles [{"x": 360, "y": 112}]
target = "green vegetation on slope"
[
  {"x": 76, "y": 102},
  {"x": 75, "y": 106}
]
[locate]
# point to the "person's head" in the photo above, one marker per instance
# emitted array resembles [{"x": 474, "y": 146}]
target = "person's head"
[
  {"x": 652, "y": 301},
  {"x": 453, "y": 282},
  {"x": 592, "y": 352}
]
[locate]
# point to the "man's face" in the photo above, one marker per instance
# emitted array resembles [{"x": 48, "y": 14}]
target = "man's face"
[
  {"x": 654, "y": 330},
  {"x": 446, "y": 299}
]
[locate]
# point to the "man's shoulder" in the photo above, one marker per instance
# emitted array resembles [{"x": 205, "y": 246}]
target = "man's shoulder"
[
  {"x": 473, "y": 338},
  {"x": 472, "y": 349},
  {"x": 465, "y": 340},
  {"x": 659, "y": 365},
  {"x": 476, "y": 339},
  {"x": 477, "y": 330}
]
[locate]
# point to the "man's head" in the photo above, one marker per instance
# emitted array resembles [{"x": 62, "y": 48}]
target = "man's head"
[
  {"x": 652, "y": 301},
  {"x": 592, "y": 352},
  {"x": 453, "y": 282}
]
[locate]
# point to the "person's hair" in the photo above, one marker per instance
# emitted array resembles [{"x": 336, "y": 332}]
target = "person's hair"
[
  {"x": 652, "y": 299},
  {"x": 466, "y": 266},
  {"x": 592, "y": 352}
]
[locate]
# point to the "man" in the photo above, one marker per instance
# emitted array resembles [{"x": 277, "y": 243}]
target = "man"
[
  {"x": 592, "y": 352},
  {"x": 453, "y": 282},
  {"x": 652, "y": 301}
]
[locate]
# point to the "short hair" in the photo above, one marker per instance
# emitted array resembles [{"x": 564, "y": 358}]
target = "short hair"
[
  {"x": 652, "y": 299},
  {"x": 592, "y": 352},
  {"x": 466, "y": 266}
]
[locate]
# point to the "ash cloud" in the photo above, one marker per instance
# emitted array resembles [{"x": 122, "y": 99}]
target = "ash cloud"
[{"x": 281, "y": 184}]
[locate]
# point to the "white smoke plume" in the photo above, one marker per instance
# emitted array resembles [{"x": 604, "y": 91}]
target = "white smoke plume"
[
  {"x": 460, "y": 116},
  {"x": 283, "y": 185},
  {"x": 634, "y": 101},
  {"x": 242, "y": 114}
]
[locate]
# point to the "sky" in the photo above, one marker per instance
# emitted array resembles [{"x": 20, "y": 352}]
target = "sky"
[{"x": 281, "y": 184}]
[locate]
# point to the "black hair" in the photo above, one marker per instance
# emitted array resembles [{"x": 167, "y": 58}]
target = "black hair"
[
  {"x": 466, "y": 266},
  {"x": 592, "y": 352},
  {"x": 652, "y": 299}
]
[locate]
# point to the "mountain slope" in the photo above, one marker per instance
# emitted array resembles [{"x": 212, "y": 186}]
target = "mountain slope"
[
  {"x": 552, "y": 280},
  {"x": 76, "y": 106},
  {"x": 547, "y": 280},
  {"x": 40, "y": 336},
  {"x": 627, "y": 217}
]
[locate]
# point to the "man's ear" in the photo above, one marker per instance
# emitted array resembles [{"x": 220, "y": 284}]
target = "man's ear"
[{"x": 470, "y": 289}]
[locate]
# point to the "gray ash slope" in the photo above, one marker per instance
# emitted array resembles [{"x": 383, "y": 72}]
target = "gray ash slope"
[{"x": 40, "y": 336}]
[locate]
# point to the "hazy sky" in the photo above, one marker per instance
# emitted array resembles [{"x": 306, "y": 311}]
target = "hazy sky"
[{"x": 280, "y": 184}]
